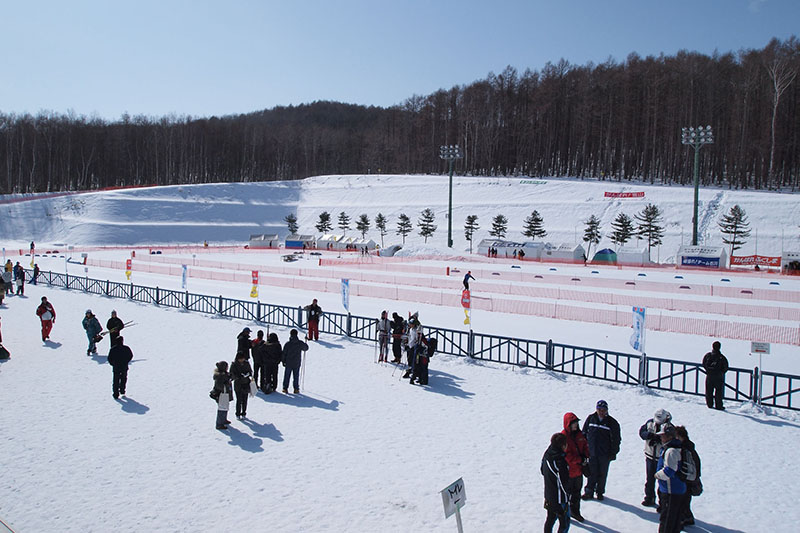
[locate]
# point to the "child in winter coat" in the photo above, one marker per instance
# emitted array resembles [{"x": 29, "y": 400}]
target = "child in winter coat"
[
  {"x": 222, "y": 391},
  {"x": 242, "y": 374}
]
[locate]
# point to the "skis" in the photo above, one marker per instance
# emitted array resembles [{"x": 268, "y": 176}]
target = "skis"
[{"x": 114, "y": 330}]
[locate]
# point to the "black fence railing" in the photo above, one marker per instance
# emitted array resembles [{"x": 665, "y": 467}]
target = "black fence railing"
[{"x": 764, "y": 388}]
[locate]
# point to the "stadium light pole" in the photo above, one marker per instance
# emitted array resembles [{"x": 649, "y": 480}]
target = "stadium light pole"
[
  {"x": 450, "y": 153},
  {"x": 696, "y": 138}
]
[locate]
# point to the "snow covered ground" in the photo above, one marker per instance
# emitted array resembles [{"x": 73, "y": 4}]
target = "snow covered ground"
[{"x": 359, "y": 449}]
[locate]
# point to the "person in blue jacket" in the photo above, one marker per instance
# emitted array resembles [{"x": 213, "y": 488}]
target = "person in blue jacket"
[
  {"x": 671, "y": 488},
  {"x": 93, "y": 329},
  {"x": 602, "y": 432}
]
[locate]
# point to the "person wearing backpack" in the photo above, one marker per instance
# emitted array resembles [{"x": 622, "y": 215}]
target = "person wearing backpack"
[
  {"x": 715, "y": 365},
  {"x": 671, "y": 488},
  {"x": 691, "y": 473}
]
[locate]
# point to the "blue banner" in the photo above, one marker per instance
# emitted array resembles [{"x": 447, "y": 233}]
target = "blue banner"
[
  {"x": 637, "y": 338},
  {"x": 700, "y": 261},
  {"x": 183, "y": 276},
  {"x": 346, "y": 294}
]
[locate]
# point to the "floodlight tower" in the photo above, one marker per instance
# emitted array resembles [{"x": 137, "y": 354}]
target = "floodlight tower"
[
  {"x": 450, "y": 153},
  {"x": 696, "y": 138}
]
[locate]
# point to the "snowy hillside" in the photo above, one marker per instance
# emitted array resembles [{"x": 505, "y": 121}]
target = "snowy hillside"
[{"x": 231, "y": 212}]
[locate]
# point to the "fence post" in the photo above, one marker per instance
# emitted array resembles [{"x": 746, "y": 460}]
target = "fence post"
[
  {"x": 549, "y": 357},
  {"x": 299, "y": 317},
  {"x": 349, "y": 318},
  {"x": 471, "y": 345},
  {"x": 157, "y": 298},
  {"x": 130, "y": 292},
  {"x": 107, "y": 288},
  {"x": 219, "y": 306},
  {"x": 258, "y": 311},
  {"x": 186, "y": 300},
  {"x": 756, "y": 386},
  {"x": 643, "y": 370}
]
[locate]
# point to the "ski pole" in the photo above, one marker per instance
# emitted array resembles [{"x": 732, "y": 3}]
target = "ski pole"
[{"x": 303, "y": 371}]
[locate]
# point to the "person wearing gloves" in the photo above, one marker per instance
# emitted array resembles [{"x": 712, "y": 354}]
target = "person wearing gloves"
[
  {"x": 556, "y": 478},
  {"x": 114, "y": 325},
  {"x": 577, "y": 457},
  {"x": 222, "y": 393},
  {"x": 242, "y": 375},
  {"x": 652, "y": 450},
  {"x": 602, "y": 432},
  {"x": 291, "y": 358},
  {"x": 93, "y": 329},
  {"x": 47, "y": 314},
  {"x": 671, "y": 489}
]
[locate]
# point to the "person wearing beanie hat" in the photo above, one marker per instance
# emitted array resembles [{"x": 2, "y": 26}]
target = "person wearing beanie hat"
[
  {"x": 222, "y": 393},
  {"x": 292, "y": 357},
  {"x": 671, "y": 488},
  {"x": 577, "y": 455},
  {"x": 715, "y": 365},
  {"x": 93, "y": 328},
  {"x": 259, "y": 347},
  {"x": 398, "y": 325},
  {"x": 114, "y": 325},
  {"x": 603, "y": 434},
  {"x": 652, "y": 450},
  {"x": 243, "y": 343}
]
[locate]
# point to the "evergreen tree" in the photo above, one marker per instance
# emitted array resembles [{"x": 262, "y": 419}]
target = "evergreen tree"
[
  {"x": 534, "y": 226},
  {"x": 622, "y": 228},
  {"x": 470, "y": 227},
  {"x": 499, "y": 227},
  {"x": 735, "y": 228},
  {"x": 362, "y": 224},
  {"x": 324, "y": 225},
  {"x": 403, "y": 226},
  {"x": 425, "y": 223},
  {"x": 344, "y": 222},
  {"x": 649, "y": 225},
  {"x": 592, "y": 234},
  {"x": 380, "y": 223},
  {"x": 291, "y": 223}
]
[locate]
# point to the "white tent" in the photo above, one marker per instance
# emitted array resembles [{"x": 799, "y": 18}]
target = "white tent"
[
  {"x": 329, "y": 241},
  {"x": 564, "y": 252},
  {"x": 702, "y": 256},
  {"x": 264, "y": 241},
  {"x": 633, "y": 256},
  {"x": 790, "y": 263},
  {"x": 485, "y": 244}
]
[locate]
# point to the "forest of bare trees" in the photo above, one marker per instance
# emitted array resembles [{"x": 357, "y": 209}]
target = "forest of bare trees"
[{"x": 614, "y": 121}]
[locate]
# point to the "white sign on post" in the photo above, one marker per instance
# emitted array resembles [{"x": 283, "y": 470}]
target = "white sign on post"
[
  {"x": 759, "y": 347},
  {"x": 454, "y": 497}
]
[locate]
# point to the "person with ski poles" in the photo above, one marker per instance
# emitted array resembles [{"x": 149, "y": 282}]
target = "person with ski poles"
[
  {"x": 398, "y": 326},
  {"x": 114, "y": 325},
  {"x": 383, "y": 337},
  {"x": 292, "y": 357}
]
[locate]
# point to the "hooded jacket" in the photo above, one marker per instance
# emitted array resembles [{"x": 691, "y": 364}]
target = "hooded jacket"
[
  {"x": 273, "y": 352},
  {"x": 556, "y": 476},
  {"x": 243, "y": 343},
  {"x": 669, "y": 464},
  {"x": 577, "y": 446}
]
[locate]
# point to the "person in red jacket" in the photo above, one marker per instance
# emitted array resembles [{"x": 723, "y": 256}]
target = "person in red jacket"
[
  {"x": 47, "y": 315},
  {"x": 577, "y": 457}
]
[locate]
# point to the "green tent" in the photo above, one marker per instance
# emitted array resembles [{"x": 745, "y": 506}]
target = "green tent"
[{"x": 605, "y": 256}]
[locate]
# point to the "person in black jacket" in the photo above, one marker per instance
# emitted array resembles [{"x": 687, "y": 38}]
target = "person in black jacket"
[
  {"x": 398, "y": 326},
  {"x": 222, "y": 385},
  {"x": 259, "y": 348},
  {"x": 694, "y": 486},
  {"x": 272, "y": 360},
  {"x": 715, "y": 365},
  {"x": 602, "y": 432},
  {"x": 242, "y": 374},
  {"x": 292, "y": 358},
  {"x": 556, "y": 479},
  {"x": 243, "y": 343},
  {"x": 114, "y": 326},
  {"x": 314, "y": 314},
  {"x": 119, "y": 356}
]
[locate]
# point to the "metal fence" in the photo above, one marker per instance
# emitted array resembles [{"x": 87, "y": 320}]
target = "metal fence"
[{"x": 764, "y": 388}]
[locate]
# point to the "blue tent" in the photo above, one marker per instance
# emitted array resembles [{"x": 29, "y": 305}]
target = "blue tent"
[{"x": 606, "y": 255}]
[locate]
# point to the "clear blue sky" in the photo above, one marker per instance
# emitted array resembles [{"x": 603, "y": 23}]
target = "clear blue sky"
[{"x": 206, "y": 57}]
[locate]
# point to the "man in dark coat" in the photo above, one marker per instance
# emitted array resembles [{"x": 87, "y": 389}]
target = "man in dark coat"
[
  {"x": 602, "y": 432},
  {"x": 467, "y": 277},
  {"x": 119, "y": 356},
  {"x": 93, "y": 328},
  {"x": 556, "y": 478},
  {"x": 398, "y": 325},
  {"x": 314, "y": 314},
  {"x": 715, "y": 365},
  {"x": 114, "y": 326},
  {"x": 35, "y": 273},
  {"x": 243, "y": 343},
  {"x": 259, "y": 349},
  {"x": 292, "y": 358},
  {"x": 272, "y": 360},
  {"x": 242, "y": 374}
]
